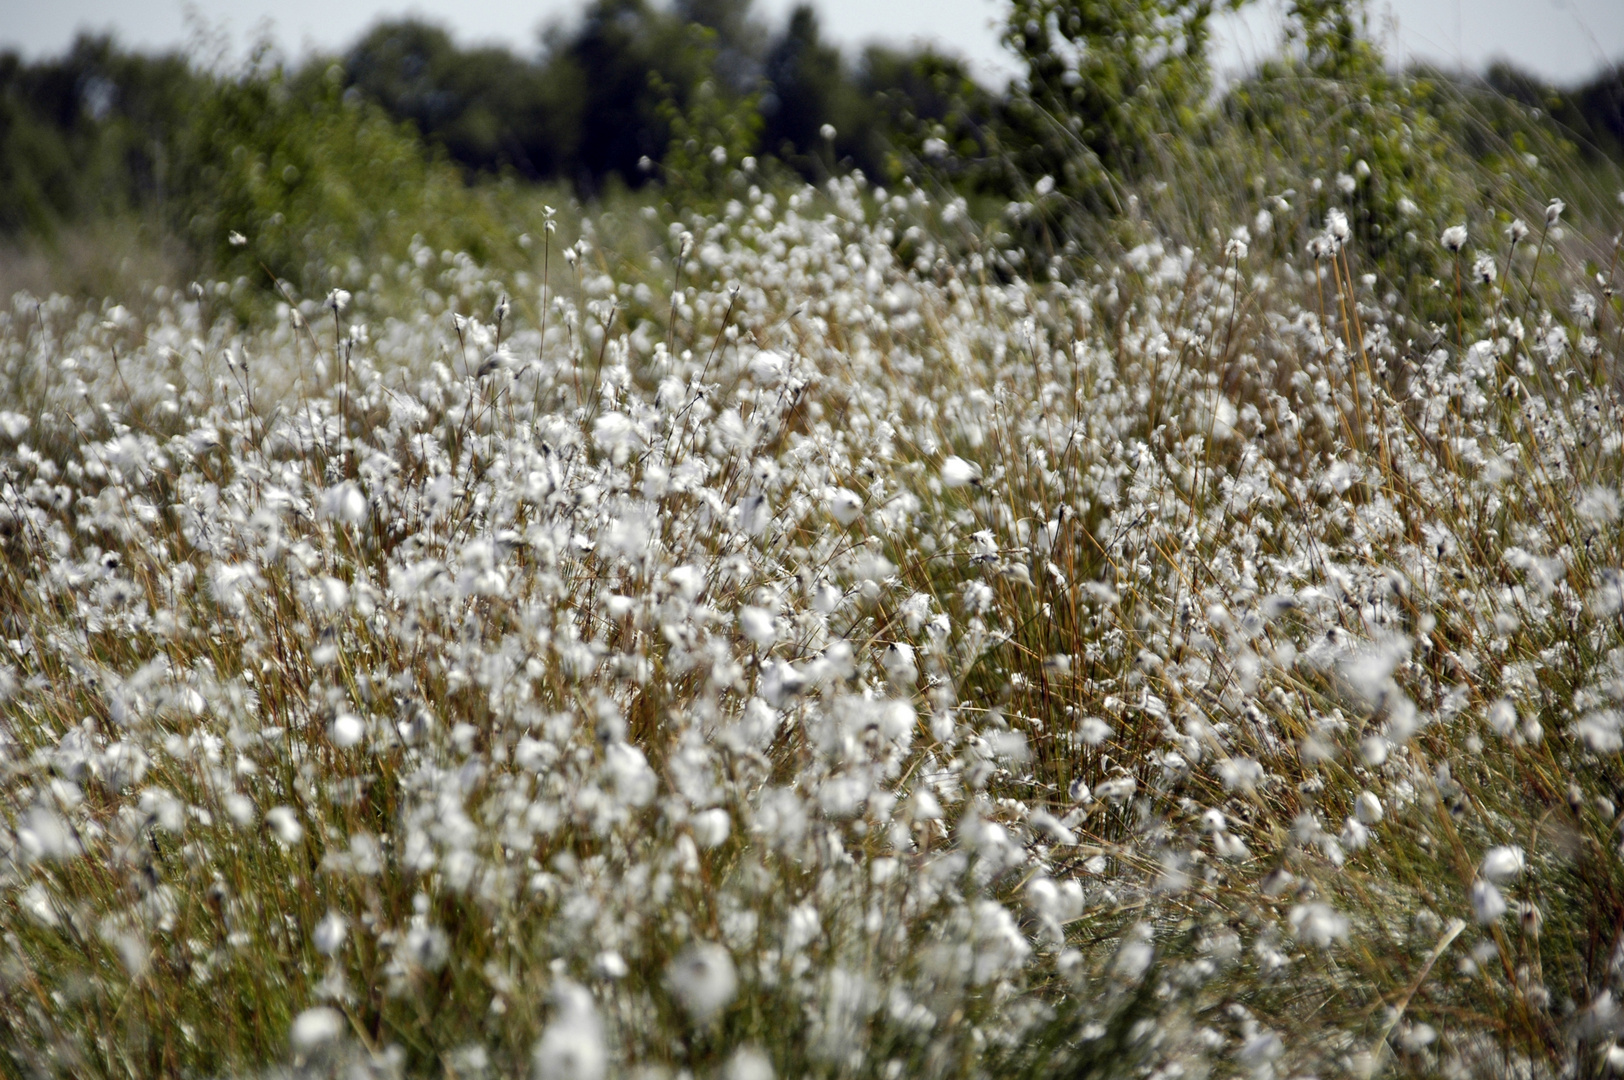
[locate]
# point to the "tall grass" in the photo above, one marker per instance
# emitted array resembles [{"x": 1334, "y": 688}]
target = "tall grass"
[{"x": 830, "y": 645}]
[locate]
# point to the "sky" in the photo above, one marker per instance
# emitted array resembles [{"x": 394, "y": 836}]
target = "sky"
[{"x": 1564, "y": 41}]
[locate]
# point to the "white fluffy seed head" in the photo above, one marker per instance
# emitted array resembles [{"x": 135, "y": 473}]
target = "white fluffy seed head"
[
  {"x": 1093, "y": 730},
  {"x": 1134, "y": 954},
  {"x": 957, "y": 473},
  {"x": 1367, "y": 808},
  {"x": 781, "y": 683},
  {"x": 1487, "y": 903},
  {"x": 571, "y": 1046},
  {"x": 845, "y": 506},
  {"x": 347, "y": 731},
  {"x": 284, "y": 825},
  {"x": 1336, "y": 224},
  {"x": 609, "y": 964},
  {"x": 45, "y": 835},
  {"x": 758, "y": 626},
  {"x": 315, "y": 1029},
  {"x": 1502, "y": 718},
  {"x": 748, "y": 1063},
  {"x": 711, "y": 827},
  {"x": 900, "y": 666},
  {"x": 329, "y": 934},
  {"x": 1503, "y": 864},
  {"x": 1319, "y": 924},
  {"x": 703, "y": 980},
  {"x": 345, "y": 503},
  {"x": 13, "y": 424},
  {"x": 240, "y": 808}
]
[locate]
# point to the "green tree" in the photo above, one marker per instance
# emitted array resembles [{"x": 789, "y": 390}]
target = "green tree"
[
  {"x": 1106, "y": 80},
  {"x": 808, "y": 88},
  {"x": 1328, "y": 122},
  {"x": 311, "y": 180},
  {"x": 488, "y": 108},
  {"x": 930, "y": 114},
  {"x": 609, "y": 59}
]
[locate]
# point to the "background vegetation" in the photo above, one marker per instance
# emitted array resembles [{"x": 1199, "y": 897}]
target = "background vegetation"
[{"x": 1117, "y": 94}]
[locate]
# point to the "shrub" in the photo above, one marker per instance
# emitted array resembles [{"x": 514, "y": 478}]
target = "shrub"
[{"x": 307, "y": 176}]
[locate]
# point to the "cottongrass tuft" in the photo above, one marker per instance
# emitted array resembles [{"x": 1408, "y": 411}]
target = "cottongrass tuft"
[
  {"x": 316, "y": 1029},
  {"x": 845, "y": 506},
  {"x": 1502, "y": 865},
  {"x": 1488, "y": 903},
  {"x": 671, "y": 686},
  {"x": 1319, "y": 924},
  {"x": 703, "y": 980},
  {"x": 330, "y": 933},
  {"x": 958, "y": 473},
  {"x": 572, "y": 1045},
  {"x": 748, "y": 1063}
]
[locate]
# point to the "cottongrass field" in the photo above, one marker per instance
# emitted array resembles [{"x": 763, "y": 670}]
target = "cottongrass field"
[{"x": 824, "y": 649}]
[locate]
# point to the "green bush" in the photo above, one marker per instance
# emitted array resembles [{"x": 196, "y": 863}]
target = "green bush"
[{"x": 288, "y": 175}]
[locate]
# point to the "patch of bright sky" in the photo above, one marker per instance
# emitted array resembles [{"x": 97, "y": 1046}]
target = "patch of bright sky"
[{"x": 1564, "y": 41}]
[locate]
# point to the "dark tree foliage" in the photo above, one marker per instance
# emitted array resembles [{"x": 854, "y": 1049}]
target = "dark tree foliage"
[
  {"x": 930, "y": 113},
  {"x": 610, "y": 59},
  {"x": 808, "y": 87},
  {"x": 489, "y": 109},
  {"x": 596, "y": 101},
  {"x": 1600, "y": 103},
  {"x": 90, "y": 132},
  {"x": 590, "y": 104},
  {"x": 1592, "y": 112},
  {"x": 737, "y": 40},
  {"x": 883, "y": 110},
  {"x": 101, "y": 130}
]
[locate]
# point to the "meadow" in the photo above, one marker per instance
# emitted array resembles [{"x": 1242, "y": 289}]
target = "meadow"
[{"x": 806, "y": 633}]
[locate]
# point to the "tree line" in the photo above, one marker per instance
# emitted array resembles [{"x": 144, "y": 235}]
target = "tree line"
[
  {"x": 101, "y": 128},
  {"x": 338, "y": 151}
]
